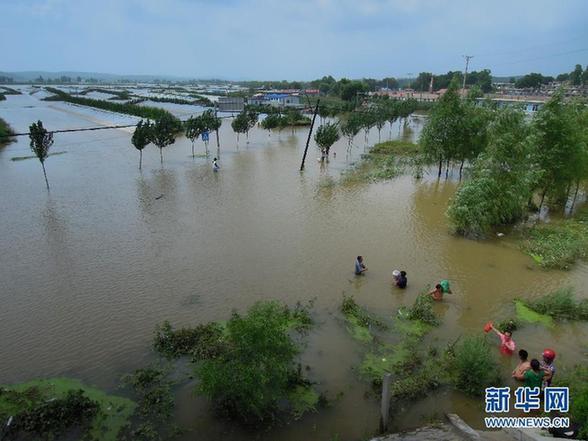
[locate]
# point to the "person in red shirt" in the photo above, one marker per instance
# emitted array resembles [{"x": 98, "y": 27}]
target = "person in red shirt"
[{"x": 507, "y": 344}]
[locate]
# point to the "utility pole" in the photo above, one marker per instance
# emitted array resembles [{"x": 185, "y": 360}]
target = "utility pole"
[
  {"x": 467, "y": 58},
  {"x": 310, "y": 133}
]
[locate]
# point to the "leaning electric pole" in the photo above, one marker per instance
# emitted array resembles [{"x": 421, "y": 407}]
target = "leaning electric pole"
[{"x": 467, "y": 58}]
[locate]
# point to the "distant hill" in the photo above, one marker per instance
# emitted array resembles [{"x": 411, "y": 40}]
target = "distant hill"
[{"x": 104, "y": 77}]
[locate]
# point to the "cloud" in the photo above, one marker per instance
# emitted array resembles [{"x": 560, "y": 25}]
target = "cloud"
[{"x": 288, "y": 39}]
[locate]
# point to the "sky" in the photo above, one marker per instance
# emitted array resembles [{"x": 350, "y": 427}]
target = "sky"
[{"x": 293, "y": 39}]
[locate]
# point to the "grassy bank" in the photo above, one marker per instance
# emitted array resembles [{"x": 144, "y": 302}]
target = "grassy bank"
[
  {"x": 560, "y": 243},
  {"x": 126, "y": 108},
  {"x": 385, "y": 160},
  {"x": 54, "y": 407}
]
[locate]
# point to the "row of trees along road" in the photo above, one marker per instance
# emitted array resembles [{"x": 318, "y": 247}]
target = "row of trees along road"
[
  {"x": 162, "y": 131},
  {"x": 515, "y": 160}
]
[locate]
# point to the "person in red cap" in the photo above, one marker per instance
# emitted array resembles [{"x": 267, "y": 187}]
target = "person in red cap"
[{"x": 547, "y": 366}]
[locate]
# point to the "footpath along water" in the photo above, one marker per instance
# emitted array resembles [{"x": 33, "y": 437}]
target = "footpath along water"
[{"x": 91, "y": 267}]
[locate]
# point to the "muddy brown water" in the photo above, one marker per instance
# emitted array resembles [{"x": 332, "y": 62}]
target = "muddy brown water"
[{"x": 88, "y": 269}]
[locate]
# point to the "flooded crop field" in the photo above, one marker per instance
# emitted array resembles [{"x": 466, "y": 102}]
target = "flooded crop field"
[{"x": 89, "y": 268}]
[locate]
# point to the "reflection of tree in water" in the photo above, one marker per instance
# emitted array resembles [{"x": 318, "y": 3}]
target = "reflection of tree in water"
[{"x": 58, "y": 244}]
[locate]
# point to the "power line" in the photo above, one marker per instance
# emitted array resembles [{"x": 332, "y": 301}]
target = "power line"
[{"x": 543, "y": 57}]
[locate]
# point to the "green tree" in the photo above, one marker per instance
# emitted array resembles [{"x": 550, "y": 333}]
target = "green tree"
[
  {"x": 40, "y": 141},
  {"x": 271, "y": 122},
  {"x": 240, "y": 124},
  {"x": 444, "y": 131},
  {"x": 141, "y": 138},
  {"x": 576, "y": 75},
  {"x": 193, "y": 128},
  {"x": 163, "y": 132},
  {"x": 349, "y": 90},
  {"x": 249, "y": 379},
  {"x": 558, "y": 146},
  {"x": 325, "y": 137},
  {"x": 351, "y": 127},
  {"x": 502, "y": 179},
  {"x": 212, "y": 123},
  {"x": 531, "y": 81}
]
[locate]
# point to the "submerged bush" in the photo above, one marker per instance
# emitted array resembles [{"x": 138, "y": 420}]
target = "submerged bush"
[
  {"x": 560, "y": 304},
  {"x": 50, "y": 419},
  {"x": 475, "y": 367},
  {"x": 557, "y": 245},
  {"x": 422, "y": 310},
  {"x": 202, "y": 341},
  {"x": 351, "y": 309},
  {"x": 248, "y": 380}
]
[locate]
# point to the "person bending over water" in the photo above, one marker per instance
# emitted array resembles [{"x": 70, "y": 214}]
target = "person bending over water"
[
  {"x": 215, "y": 165},
  {"x": 437, "y": 293},
  {"x": 360, "y": 268},
  {"x": 507, "y": 344}
]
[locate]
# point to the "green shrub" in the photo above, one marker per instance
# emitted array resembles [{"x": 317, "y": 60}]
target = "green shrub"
[
  {"x": 577, "y": 380},
  {"x": 560, "y": 304},
  {"x": 475, "y": 367},
  {"x": 508, "y": 325},
  {"x": 351, "y": 309},
  {"x": 557, "y": 245},
  {"x": 422, "y": 310},
  {"x": 51, "y": 419},
  {"x": 203, "y": 341},
  {"x": 248, "y": 380}
]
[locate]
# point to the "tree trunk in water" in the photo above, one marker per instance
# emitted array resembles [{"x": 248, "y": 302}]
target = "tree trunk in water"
[
  {"x": 140, "y": 159},
  {"x": 192, "y": 149},
  {"x": 440, "y": 167},
  {"x": 217, "y": 140},
  {"x": 447, "y": 170},
  {"x": 379, "y": 135},
  {"x": 542, "y": 199},
  {"x": 45, "y": 174},
  {"x": 461, "y": 168},
  {"x": 575, "y": 196},
  {"x": 161, "y": 154}
]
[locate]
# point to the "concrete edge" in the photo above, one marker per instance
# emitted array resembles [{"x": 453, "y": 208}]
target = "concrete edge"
[{"x": 462, "y": 427}]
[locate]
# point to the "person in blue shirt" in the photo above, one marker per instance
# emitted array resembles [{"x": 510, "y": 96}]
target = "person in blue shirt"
[{"x": 360, "y": 268}]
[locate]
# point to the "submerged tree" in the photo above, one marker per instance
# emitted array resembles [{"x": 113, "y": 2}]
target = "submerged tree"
[
  {"x": 325, "y": 137},
  {"x": 557, "y": 139},
  {"x": 141, "y": 138},
  {"x": 240, "y": 124},
  {"x": 444, "y": 132},
  {"x": 271, "y": 122},
  {"x": 502, "y": 179},
  {"x": 351, "y": 127},
  {"x": 41, "y": 142},
  {"x": 163, "y": 132},
  {"x": 251, "y": 121},
  {"x": 212, "y": 123},
  {"x": 194, "y": 127}
]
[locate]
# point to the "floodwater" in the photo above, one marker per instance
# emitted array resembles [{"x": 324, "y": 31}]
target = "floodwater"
[{"x": 88, "y": 269}]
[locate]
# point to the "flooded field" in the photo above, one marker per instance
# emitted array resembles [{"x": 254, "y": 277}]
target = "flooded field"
[{"x": 88, "y": 269}]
